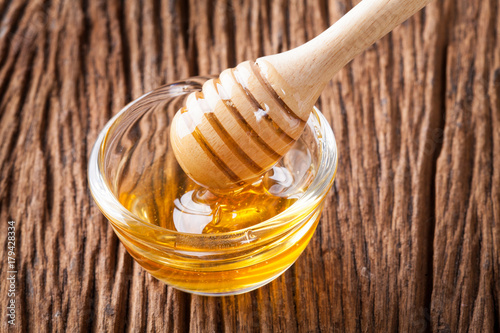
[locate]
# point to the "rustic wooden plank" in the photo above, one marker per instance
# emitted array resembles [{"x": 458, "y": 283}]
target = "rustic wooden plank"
[
  {"x": 410, "y": 236},
  {"x": 385, "y": 112},
  {"x": 467, "y": 258}
]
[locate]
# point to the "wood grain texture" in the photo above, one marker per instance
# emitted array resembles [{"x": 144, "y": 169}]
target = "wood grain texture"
[{"x": 410, "y": 236}]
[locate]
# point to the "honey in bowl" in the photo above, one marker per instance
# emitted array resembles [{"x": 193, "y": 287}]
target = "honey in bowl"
[{"x": 190, "y": 237}]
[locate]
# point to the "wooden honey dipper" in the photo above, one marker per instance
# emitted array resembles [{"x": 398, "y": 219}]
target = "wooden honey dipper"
[{"x": 243, "y": 122}]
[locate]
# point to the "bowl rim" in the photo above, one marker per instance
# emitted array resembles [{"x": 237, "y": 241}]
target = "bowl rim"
[{"x": 122, "y": 218}]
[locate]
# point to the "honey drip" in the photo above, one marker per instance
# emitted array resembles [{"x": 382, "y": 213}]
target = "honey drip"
[{"x": 182, "y": 205}]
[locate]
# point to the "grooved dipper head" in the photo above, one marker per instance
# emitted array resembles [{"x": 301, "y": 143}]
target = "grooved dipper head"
[{"x": 235, "y": 130}]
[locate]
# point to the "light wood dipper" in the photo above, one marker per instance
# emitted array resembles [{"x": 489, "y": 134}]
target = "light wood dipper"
[{"x": 243, "y": 122}]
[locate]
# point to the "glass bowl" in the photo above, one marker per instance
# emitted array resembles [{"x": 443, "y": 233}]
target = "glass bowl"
[{"x": 133, "y": 149}]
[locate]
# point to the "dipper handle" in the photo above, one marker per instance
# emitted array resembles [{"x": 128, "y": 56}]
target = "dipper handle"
[
  {"x": 306, "y": 69},
  {"x": 242, "y": 123}
]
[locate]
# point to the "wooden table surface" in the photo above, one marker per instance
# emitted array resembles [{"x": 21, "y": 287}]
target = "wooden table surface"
[{"x": 410, "y": 237}]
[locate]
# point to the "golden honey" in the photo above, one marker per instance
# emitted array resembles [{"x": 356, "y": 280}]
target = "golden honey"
[{"x": 186, "y": 207}]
